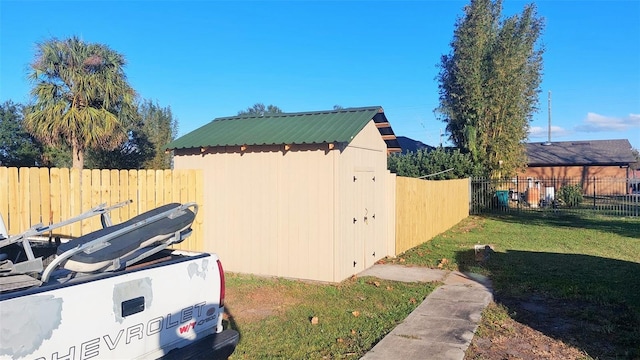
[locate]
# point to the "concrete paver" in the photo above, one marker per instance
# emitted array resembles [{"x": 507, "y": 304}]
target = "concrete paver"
[{"x": 443, "y": 325}]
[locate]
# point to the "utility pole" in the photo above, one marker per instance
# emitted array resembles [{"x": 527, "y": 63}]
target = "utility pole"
[{"x": 549, "y": 127}]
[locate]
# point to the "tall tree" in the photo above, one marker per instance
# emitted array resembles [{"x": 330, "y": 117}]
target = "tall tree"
[
  {"x": 81, "y": 96},
  {"x": 131, "y": 154},
  {"x": 489, "y": 84},
  {"x": 160, "y": 128},
  {"x": 636, "y": 154},
  {"x": 260, "y": 109},
  {"x": 17, "y": 147},
  {"x": 153, "y": 128}
]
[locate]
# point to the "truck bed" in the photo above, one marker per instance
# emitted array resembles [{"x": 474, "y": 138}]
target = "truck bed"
[
  {"x": 20, "y": 284},
  {"x": 170, "y": 302}
]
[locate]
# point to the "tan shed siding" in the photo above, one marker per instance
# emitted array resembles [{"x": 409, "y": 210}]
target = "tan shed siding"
[
  {"x": 306, "y": 179},
  {"x": 365, "y": 157},
  {"x": 271, "y": 211},
  {"x": 290, "y": 213}
]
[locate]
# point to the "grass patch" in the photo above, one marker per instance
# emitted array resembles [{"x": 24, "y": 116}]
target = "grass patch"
[
  {"x": 319, "y": 320},
  {"x": 571, "y": 279},
  {"x": 494, "y": 318},
  {"x": 575, "y": 278}
]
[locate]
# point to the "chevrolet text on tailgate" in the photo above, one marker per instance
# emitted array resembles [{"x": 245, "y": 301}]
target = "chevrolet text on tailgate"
[{"x": 117, "y": 293}]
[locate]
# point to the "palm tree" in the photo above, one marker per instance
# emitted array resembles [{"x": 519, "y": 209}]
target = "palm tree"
[{"x": 81, "y": 96}]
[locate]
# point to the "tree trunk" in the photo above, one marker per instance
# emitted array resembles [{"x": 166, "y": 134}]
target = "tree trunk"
[{"x": 77, "y": 156}]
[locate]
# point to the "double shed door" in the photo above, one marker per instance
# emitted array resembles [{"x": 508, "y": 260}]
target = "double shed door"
[{"x": 366, "y": 247}]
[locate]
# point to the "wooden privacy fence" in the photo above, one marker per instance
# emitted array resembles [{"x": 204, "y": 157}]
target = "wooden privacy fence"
[
  {"x": 29, "y": 196},
  {"x": 426, "y": 208}
]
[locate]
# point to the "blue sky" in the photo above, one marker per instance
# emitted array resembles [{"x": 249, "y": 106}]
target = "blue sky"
[{"x": 208, "y": 59}]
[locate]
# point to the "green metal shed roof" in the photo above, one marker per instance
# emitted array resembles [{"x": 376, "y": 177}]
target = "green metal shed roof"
[{"x": 286, "y": 128}]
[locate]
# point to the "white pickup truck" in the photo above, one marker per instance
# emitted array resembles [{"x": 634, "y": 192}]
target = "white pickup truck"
[{"x": 116, "y": 293}]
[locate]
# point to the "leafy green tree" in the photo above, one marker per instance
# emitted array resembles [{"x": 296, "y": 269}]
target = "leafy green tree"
[
  {"x": 17, "y": 147},
  {"x": 636, "y": 154},
  {"x": 260, "y": 109},
  {"x": 153, "y": 128},
  {"x": 424, "y": 162},
  {"x": 160, "y": 128},
  {"x": 57, "y": 156},
  {"x": 489, "y": 84},
  {"x": 81, "y": 96},
  {"x": 131, "y": 154}
]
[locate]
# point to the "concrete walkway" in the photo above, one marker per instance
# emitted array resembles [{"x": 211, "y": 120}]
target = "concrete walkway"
[{"x": 443, "y": 325}]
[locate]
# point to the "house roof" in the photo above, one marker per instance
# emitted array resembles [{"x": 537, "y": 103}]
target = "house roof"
[
  {"x": 591, "y": 152},
  {"x": 410, "y": 145},
  {"x": 317, "y": 127}
]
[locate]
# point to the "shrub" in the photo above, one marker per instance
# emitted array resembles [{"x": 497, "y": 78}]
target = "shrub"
[
  {"x": 571, "y": 195},
  {"x": 425, "y": 162}
]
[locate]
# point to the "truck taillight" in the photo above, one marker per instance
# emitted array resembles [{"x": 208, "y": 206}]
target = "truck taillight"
[{"x": 222, "y": 285}]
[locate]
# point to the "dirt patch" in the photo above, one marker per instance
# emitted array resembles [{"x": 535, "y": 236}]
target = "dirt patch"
[
  {"x": 509, "y": 339},
  {"x": 542, "y": 328},
  {"x": 259, "y": 303}
]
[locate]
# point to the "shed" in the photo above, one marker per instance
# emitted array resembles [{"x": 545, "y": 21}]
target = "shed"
[{"x": 301, "y": 195}]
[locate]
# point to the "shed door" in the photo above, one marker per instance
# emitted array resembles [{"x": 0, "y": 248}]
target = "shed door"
[{"x": 364, "y": 220}]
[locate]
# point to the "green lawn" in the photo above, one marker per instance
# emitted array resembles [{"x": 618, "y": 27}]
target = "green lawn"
[
  {"x": 585, "y": 270},
  {"x": 318, "y": 321}
]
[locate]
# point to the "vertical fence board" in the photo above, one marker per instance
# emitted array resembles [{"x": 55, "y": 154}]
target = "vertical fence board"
[
  {"x": 113, "y": 194},
  {"x": 23, "y": 205},
  {"x": 86, "y": 184},
  {"x": 13, "y": 198},
  {"x": 123, "y": 193},
  {"x": 4, "y": 196},
  {"x": 56, "y": 200},
  {"x": 133, "y": 193},
  {"x": 46, "y": 217},
  {"x": 66, "y": 198},
  {"x": 75, "y": 208},
  {"x": 105, "y": 186},
  {"x": 425, "y": 209},
  {"x": 32, "y": 195},
  {"x": 168, "y": 184},
  {"x": 159, "y": 180},
  {"x": 150, "y": 189},
  {"x": 175, "y": 185}
]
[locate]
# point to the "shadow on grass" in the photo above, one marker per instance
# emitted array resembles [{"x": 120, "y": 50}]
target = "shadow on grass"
[
  {"x": 590, "y": 302},
  {"x": 620, "y": 226}
]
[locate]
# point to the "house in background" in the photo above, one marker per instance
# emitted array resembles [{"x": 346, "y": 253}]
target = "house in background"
[
  {"x": 587, "y": 161},
  {"x": 303, "y": 195},
  {"x": 410, "y": 145}
]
